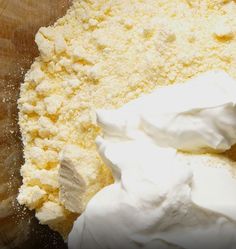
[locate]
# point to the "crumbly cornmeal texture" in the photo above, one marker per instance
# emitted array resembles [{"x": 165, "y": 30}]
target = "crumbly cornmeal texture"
[{"x": 102, "y": 54}]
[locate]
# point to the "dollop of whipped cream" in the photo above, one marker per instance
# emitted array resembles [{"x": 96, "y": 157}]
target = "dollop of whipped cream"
[
  {"x": 196, "y": 116},
  {"x": 161, "y": 197}
]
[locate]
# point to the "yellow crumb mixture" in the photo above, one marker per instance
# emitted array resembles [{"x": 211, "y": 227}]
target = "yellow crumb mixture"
[{"x": 102, "y": 54}]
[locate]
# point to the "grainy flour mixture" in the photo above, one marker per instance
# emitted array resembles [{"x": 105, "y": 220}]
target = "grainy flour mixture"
[{"x": 102, "y": 54}]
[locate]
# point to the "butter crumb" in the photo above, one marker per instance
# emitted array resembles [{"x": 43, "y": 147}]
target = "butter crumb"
[{"x": 102, "y": 54}]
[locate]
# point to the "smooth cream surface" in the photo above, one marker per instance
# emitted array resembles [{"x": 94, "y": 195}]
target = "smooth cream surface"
[
  {"x": 197, "y": 115},
  {"x": 164, "y": 198}
]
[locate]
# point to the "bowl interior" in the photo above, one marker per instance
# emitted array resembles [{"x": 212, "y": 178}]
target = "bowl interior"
[{"x": 19, "y": 22}]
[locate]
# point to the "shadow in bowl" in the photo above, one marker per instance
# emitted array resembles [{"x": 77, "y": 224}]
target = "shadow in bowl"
[{"x": 19, "y": 21}]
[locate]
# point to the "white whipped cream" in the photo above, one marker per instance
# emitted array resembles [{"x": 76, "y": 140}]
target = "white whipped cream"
[
  {"x": 198, "y": 115},
  {"x": 163, "y": 198}
]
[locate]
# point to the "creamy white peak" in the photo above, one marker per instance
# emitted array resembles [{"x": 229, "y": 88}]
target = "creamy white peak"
[
  {"x": 163, "y": 198},
  {"x": 159, "y": 200},
  {"x": 197, "y": 115}
]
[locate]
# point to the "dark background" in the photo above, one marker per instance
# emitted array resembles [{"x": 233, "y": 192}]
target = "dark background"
[{"x": 19, "y": 22}]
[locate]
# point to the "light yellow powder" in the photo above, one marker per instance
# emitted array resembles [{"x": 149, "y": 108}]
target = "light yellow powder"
[{"x": 101, "y": 55}]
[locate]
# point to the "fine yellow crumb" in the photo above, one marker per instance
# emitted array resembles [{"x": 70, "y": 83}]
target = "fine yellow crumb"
[{"x": 102, "y": 54}]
